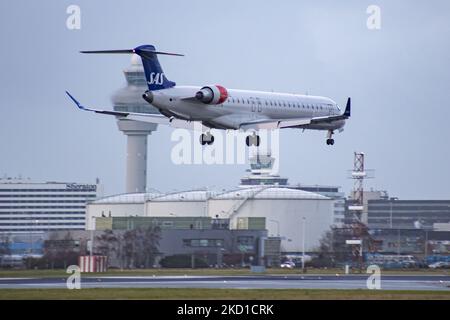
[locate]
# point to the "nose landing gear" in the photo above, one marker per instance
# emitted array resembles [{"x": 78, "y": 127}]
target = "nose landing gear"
[{"x": 330, "y": 140}]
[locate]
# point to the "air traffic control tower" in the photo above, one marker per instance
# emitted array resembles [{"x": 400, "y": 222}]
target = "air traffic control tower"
[{"x": 130, "y": 99}]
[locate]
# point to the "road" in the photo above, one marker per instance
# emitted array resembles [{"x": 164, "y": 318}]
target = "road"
[{"x": 388, "y": 282}]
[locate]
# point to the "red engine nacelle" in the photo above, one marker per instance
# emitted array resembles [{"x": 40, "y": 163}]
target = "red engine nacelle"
[{"x": 212, "y": 94}]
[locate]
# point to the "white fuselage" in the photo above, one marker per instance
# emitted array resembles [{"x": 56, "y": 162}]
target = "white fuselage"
[{"x": 244, "y": 106}]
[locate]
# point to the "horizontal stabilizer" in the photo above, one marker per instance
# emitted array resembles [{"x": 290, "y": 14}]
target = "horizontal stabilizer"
[{"x": 138, "y": 50}]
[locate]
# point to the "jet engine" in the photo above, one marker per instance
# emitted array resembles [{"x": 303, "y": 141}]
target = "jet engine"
[
  {"x": 212, "y": 94},
  {"x": 148, "y": 96}
]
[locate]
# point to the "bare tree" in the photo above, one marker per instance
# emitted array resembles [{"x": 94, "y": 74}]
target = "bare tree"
[
  {"x": 151, "y": 237},
  {"x": 333, "y": 248},
  {"x": 136, "y": 248},
  {"x": 59, "y": 252},
  {"x": 5, "y": 243},
  {"x": 107, "y": 244},
  {"x": 140, "y": 247}
]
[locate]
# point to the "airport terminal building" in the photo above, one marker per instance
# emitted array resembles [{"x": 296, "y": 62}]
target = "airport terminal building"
[{"x": 27, "y": 206}]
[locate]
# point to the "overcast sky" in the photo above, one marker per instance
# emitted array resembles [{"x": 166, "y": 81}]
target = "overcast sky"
[{"x": 398, "y": 78}]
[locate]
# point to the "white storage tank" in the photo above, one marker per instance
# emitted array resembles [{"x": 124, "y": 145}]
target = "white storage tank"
[
  {"x": 283, "y": 209},
  {"x": 187, "y": 203}
]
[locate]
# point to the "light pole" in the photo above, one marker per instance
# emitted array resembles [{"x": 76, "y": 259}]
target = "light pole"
[
  {"x": 32, "y": 238},
  {"x": 303, "y": 243},
  {"x": 390, "y": 223},
  {"x": 278, "y": 226},
  {"x": 92, "y": 237},
  {"x": 31, "y": 235}
]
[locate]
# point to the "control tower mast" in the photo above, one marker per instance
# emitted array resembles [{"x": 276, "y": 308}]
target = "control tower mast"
[
  {"x": 358, "y": 174},
  {"x": 129, "y": 99}
]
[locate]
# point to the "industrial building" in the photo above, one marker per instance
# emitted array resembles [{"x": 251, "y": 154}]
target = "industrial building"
[
  {"x": 393, "y": 213},
  {"x": 27, "y": 207},
  {"x": 282, "y": 208},
  {"x": 418, "y": 242},
  {"x": 262, "y": 194},
  {"x": 210, "y": 239},
  {"x": 419, "y": 227}
]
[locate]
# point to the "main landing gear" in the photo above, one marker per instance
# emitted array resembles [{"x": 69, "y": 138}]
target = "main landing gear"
[
  {"x": 330, "y": 140},
  {"x": 206, "y": 138},
  {"x": 252, "y": 140}
]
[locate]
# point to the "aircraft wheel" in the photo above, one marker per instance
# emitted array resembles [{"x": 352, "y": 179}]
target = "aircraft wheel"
[
  {"x": 202, "y": 139},
  {"x": 207, "y": 138},
  {"x": 252, "y": 140}
]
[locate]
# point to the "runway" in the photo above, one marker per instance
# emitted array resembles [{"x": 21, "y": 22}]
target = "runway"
[{"x": 388, "y": 282}]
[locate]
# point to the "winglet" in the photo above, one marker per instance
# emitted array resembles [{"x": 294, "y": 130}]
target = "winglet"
[
  {"x": 75, "y": 100},
  {"x": 347, "y": 108}
]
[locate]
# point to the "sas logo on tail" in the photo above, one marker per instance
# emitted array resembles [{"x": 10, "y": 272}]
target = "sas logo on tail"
[{"x": 156, "y": 78}]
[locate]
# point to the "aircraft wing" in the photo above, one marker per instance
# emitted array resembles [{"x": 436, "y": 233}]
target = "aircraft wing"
[
  {"x": 294, "y": 122},
  {"x": 143, "y": 117},
  {"x": 274, "y": 123}
]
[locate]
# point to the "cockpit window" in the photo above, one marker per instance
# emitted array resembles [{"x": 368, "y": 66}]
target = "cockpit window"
[{"x": 338, "y": 108}]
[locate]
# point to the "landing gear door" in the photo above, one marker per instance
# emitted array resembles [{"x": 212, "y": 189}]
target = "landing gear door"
[
  {"x": 252, "y": 104},
  {"x": 254, "y": 113},
  {"x": 259, "y": 105}
]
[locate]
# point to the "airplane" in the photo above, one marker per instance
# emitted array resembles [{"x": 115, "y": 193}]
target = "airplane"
[{"x": 220, "y": 108}]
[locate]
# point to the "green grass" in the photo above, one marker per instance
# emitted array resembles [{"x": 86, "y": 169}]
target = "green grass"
[
  {"x": 215, "y": 294},
  {"x": 204, "y": 272}
]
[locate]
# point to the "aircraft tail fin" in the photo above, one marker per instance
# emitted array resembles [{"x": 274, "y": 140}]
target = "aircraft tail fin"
[
  {"x": 156, "y": 79},
  {"x": 347, "y": 108}
]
